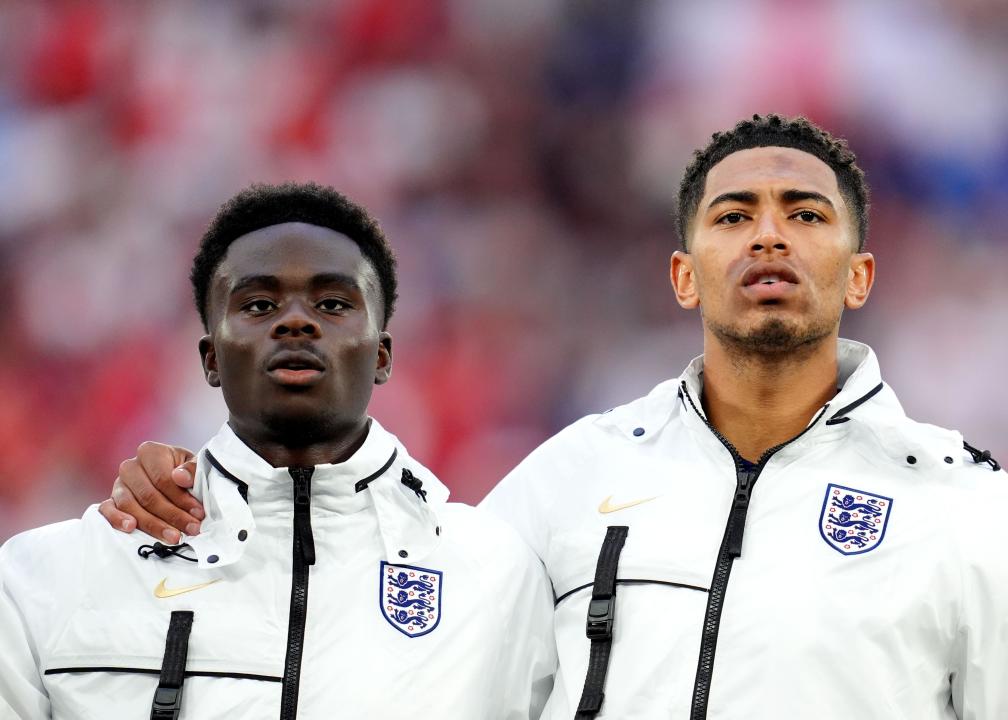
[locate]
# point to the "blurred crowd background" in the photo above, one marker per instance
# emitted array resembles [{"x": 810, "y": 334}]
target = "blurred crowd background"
[{"x": 522, "y": 155}]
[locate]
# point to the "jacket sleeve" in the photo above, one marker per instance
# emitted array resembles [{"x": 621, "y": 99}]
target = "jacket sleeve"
[
  {"x": 980, "y": 659},
  {"x": 528, "y": 661},
  {"x": 22, "y": 694}
]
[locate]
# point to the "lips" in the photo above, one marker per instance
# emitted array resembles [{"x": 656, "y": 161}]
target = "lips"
[
  {"x": 769, "y": 283},
  {"x": 295, "y": 367},
  {"x": 769, "y": 274},
  {"x": 295, "y": 360}
]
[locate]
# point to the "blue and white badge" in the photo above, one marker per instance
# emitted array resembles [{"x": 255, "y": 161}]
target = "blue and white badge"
[
  {"x": 410, "y": 598},
  {"x": 853, "y": 521}
]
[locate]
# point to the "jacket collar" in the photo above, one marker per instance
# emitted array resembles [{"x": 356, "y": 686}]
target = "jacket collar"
[
  {"x": 237, "y": 487},
  {"x": 858, "y": 378}
]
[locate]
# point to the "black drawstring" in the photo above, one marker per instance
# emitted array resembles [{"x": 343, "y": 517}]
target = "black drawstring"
[
  {"x": 413, "y": 483},
  {"x": 982, "y": 456},
  {"x": 163, "y": 551}
]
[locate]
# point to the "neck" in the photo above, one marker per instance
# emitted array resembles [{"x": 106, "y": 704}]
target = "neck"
[
  {"x": 757, "y": 401},
  {"x": 279, "y": 452}
]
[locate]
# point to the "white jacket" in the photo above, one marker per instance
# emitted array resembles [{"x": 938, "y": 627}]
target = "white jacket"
[
  {"x": 413, "y": 608},
  {"x": 872, "y": 581}
]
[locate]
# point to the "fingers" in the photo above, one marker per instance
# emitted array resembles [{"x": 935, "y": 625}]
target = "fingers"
[
  {"x": 116, "y": 517},
  {"x": 145, "y": 489},
  {"x": 171, "y": 471},
  {"x": 148, "y": 521},
  {"x": 126, "y": 502}
]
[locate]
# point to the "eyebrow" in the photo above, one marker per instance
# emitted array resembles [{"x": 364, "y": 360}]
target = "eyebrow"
[
  {"x": 793, "y": 196},
  {"x": 747, "y": 197},
  {"x": 743, "y": 197},
  {"x": 264, "y": 281},
  {"x": 272, "y": 282},
  {"x": 323, "y": 279}
]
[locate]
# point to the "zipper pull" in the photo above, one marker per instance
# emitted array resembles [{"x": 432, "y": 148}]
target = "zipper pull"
[
  {"x": 302, "y": 512},
  {"x": 740, "y": 507}
]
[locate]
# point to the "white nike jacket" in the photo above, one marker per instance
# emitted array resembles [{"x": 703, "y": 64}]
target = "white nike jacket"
[
  {"x": 859, "y": 571},
  {"x": 335, "y": 593}
]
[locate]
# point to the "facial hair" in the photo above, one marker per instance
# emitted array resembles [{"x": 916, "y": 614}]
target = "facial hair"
[{"x": 773, "y": 340}]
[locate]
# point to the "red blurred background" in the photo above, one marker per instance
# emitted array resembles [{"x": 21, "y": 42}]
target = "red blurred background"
[{"x": 522, "y": 156}]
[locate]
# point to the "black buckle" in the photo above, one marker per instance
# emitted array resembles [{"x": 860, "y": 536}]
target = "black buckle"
[
  {"x": 167, "y": 703},
  {"x": 601, "y": 613}
]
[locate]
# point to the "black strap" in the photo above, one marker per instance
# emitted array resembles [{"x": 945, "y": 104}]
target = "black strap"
[
  {"x": 599, "y": 627},
  {"x": 168, "y": 696}
]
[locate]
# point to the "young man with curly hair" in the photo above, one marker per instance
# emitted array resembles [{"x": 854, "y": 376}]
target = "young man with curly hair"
[
  {"x": 766, "y": 535},
  {"x": 331, "y": 578}
]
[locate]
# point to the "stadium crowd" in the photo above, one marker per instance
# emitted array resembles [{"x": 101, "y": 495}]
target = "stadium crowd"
[{"x": 522, "y": 157}]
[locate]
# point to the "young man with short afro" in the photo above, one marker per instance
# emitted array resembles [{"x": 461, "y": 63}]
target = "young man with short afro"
[{"x": 331, "y": 578}]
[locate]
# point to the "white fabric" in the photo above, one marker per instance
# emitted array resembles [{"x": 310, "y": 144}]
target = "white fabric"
[
  {"x": 916, "y": 628},
  {"x": 77, "y": 595}
]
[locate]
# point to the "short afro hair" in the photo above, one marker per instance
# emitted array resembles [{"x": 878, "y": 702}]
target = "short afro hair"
[
  {"x": 261, "y": 205},
  {"x": 776, "y": 131}
]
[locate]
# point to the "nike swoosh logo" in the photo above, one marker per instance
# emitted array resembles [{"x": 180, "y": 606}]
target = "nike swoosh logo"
[
  {"x": 162, "y": 592},
  {"x": 606, "y": 505}
]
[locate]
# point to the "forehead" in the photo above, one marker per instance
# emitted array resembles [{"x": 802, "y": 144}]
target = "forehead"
[
  {"x": 292, "y": 251},
  {"x": 770, "y": 168}
]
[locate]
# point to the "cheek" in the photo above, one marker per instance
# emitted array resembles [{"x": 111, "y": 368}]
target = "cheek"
[
  {"x": 235, "y": 356},
  {"x": 711, "y": 275},
  {"x": 832, "y": 273},
  {"x": 355, "y": 351}
]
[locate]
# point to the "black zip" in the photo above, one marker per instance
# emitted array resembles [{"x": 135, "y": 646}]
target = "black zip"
[
  {"x": 304, "y": 555},
  {"x": 731, "y": 548}
]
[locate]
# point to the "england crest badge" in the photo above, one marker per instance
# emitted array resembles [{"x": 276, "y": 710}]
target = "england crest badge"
[
  {"x": 410, "y": 598},
  {"x": 853, "y": 521}
]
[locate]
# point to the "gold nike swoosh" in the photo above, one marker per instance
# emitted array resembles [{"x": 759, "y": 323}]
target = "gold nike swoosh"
[
  {"x": 606, "y": 505},
  {"x": 162, "y": 592}
]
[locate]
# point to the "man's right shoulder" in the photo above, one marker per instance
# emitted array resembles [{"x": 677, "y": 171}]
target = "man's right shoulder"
[
  {"x": 31, "y": 544},
  {"x": 49, "y": 551}
]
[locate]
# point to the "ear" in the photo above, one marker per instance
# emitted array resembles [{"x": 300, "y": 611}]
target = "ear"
[
  {"x": 383, "y": 368},
  {"x": 208, "y": 355},
  {"x": 860, "y": 278},
  {"x": 684, "y": 280}
]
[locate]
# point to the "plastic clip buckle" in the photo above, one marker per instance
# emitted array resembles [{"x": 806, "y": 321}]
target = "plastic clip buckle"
[
  {"x": 601, "y": 613},
  {"x": 167, "y": 703}
]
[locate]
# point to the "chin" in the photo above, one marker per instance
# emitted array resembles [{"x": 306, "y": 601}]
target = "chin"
[
  {"x": 293, "y": 428},
  {"x": 773, "y": 336}
]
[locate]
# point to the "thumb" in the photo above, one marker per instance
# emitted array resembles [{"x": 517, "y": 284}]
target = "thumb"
[{"x": 185, "y": 470}]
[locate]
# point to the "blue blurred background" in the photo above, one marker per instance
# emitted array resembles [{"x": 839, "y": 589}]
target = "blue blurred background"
[{"x": 522, "y": 155}]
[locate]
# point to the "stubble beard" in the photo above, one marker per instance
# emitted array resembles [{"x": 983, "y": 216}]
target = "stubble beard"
[{"x": 774, "y": 340}]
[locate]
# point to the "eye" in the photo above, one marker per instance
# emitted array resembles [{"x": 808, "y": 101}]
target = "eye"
[
  {"x": 258, "y": 306},
  {"x": 808, "y": 216},
  {"x": 333, "y": 305},
  {"x": 730, "y": 218}
]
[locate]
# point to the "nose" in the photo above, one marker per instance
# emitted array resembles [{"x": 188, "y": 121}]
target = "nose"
[
  {"x": 768, "y": 237},
  {"x": 295, "y": 322}
]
